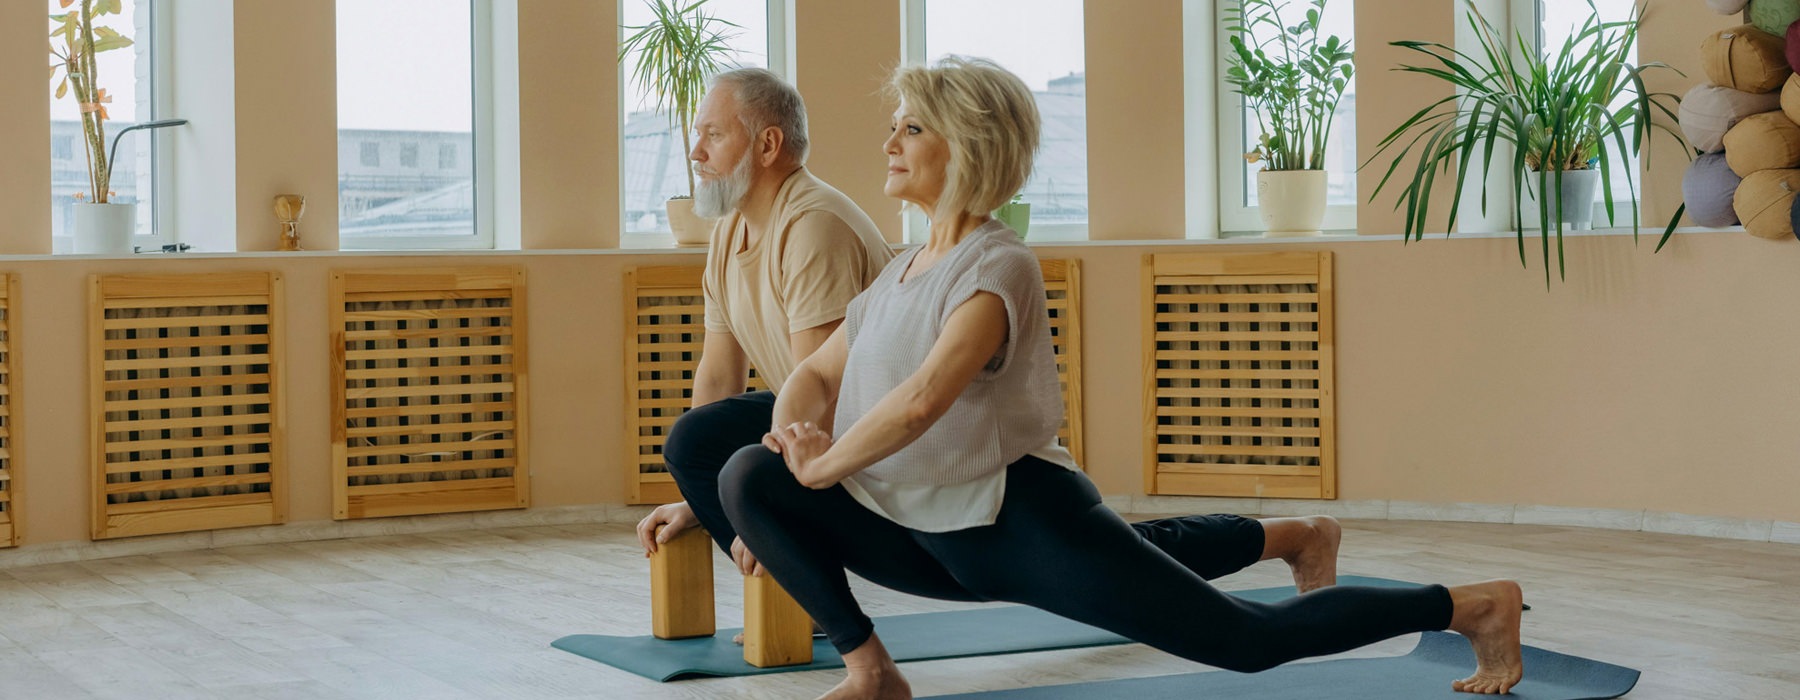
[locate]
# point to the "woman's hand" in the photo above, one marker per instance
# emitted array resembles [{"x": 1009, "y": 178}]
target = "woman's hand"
[{"x": 801, "y": 445}]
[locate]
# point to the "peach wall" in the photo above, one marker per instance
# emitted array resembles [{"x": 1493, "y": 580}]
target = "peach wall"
[
  {"x": 1386, "y": 98},
  {"x": 24, "y": 112},
  {"x": 1135, "y": 127},
  {"x": 286, "y": 119},
  {"x": 1671, "y": 33},
  {"x": 840, "y": 74},
  {"x": 569, "y": 123}
]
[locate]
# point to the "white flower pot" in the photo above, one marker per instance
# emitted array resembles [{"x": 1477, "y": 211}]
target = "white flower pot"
[
  {"x": 1292, "y": 202},
  {"x": 690, "y": 229},
  {"x": 1580, "y": 188},
  {"x": 103, "y": 228}
]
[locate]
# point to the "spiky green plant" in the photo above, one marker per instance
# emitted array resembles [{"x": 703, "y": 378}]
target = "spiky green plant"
[
  {"x": 1556, "y": 113},
  {"x": 677, "y": 52}
]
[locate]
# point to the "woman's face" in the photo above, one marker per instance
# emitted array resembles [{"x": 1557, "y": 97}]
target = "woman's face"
[{"x": 918, "y": 160}]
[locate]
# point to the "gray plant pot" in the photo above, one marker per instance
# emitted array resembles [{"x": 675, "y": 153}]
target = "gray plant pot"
[{"x": 1580, "y": 188}]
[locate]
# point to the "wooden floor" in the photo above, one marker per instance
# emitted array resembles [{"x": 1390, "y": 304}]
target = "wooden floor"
[{"x": 471, "y": 615}]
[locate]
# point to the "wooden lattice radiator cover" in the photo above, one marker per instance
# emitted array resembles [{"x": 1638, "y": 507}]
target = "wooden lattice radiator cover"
[
  {"x": 665, "y": 329},
  {"x": 1239, "y": 388},
  {"x": 186, "y": 402},
  {"x": 428, "y": 391},
  {"x": 9, "y": 411}
]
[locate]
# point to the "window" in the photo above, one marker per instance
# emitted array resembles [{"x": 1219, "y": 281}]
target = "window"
[
  {"x": 654, "y": 162},
  {"x": 446, "y": 156},
  {"x": 1550, "y": 26},
  {"x": 1238, "y": 133},
  {"x": 129, "y": 77},
  {"x": 382, "y": 205},
  {"x": 1044, "y": 44}
]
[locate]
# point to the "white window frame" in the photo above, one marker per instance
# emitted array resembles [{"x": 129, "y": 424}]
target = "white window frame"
[
  {"x": 782, "y": 62},
  {"x": 1527, "y": 22},
  {"x": 915, "y": 222},
  {"x": 1233, "y": 178},
  {"x": 483, "y": 151}
]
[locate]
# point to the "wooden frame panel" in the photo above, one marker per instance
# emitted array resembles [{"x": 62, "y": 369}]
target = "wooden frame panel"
[
  {"x": 10, "y": 472},
  {"x": 1239, "y": 384},
  {"x": 664, "y": 331},
  {"x": 429, "y": 392},
  {"x": 186, "y": 402}
]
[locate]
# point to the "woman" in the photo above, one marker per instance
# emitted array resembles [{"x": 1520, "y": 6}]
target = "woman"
[{"x": 917, "y": 446}]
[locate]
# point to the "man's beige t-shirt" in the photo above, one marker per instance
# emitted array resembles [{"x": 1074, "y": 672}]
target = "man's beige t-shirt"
[{"x": 820, "y": 251}]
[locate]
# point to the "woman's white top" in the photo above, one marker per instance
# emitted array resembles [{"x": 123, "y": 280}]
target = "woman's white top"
[{"x": 954, "y": 476}]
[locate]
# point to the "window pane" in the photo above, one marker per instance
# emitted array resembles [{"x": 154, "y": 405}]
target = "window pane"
[
  {"x": 1560, "y": 22},
  {"x": 655, "y": 159},
  {"x": 125, "y": 74},
  {"x": 393, "y": 99},
  {"x": 1043, "y": 43},
  {"x": 1340, "y": 149}
]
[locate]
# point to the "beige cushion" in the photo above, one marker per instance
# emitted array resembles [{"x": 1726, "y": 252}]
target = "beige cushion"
[
  {"x": 1745, "y": 58},
  {"x": 1763, "y": 142},
  {"x": 1708, "y": 111},
  {"x": 1765, "y": 203}
]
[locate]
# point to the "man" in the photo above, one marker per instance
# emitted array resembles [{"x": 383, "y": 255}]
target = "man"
[{"x": 787, "y": 255}]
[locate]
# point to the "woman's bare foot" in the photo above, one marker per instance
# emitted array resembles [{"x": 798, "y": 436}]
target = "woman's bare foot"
[
  {"x": 1488, "y": 614},
  {"x": 873, "y": 676},
  {"x": 1309, "y": 545}
]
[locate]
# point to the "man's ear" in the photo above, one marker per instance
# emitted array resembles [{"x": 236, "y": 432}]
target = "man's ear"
[{"x": 769, "y": 144}]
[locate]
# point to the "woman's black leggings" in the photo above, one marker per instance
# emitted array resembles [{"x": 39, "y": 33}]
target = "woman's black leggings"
[{"x": 1055, "y": 547}]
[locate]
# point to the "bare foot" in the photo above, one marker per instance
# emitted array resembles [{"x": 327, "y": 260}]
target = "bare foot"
[
  {"x": 873, "y": 675},
  {"x": 1315, "y": 561},
  {"x": 1488, "y": 614}
]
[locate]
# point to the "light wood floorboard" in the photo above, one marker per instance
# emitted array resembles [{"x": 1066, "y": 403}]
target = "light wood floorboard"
[{"x": 471, "y": 615}]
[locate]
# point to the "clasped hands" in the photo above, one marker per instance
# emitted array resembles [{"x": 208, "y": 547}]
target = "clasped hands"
[{"x": 801, "y": 445}]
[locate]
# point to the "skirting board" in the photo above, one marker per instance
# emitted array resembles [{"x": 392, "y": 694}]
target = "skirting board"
[{"x": 1647, "y": 521}]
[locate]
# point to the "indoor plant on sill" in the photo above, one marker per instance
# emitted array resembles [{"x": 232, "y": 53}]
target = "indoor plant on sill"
[
  {"x": 677, "y": 52},
  {"x": 1016, "y": 214},
  {"x": 1554, "y": 114},
  {"x": 97, "y": 225},
  {"x": 1293, "y": 81}
]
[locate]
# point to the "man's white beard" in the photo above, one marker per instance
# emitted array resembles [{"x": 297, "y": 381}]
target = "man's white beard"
[{"x": 714, "y": 198}]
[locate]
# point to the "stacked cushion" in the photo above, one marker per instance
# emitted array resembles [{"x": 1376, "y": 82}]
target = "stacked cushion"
[
  {"x": 1727, "y": 7},
  {"x": 1774, "y": 16},
  {"x": 1708, "y": 111},
  {"x": 1746, "y": 58},
  {"x": 1763, "y": 142},
  {"x": 1790, "y": 99},
  {"x": 1707, "y": 188},
  {"x": 1765, "y": 203}
]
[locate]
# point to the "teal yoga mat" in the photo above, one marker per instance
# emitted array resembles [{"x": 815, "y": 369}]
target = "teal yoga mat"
[
  {"x": 1424, "y": 674},
  {"x": 999, "y": 629}
]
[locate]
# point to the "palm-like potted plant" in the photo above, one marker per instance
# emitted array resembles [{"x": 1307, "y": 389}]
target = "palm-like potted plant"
[
  {"x": 1293, "y": 79},
  {"x": 1565, "y": 118},
  {"x": 677, "y": 51}
]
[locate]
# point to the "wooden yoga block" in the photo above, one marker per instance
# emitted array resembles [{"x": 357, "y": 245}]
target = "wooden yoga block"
[
  {"x": 681, "y": 587},
  {"x": 777, "y": 631}
]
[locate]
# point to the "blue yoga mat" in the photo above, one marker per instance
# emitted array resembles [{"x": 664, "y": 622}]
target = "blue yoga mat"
[
  {"x": 1424, "y": 674},
  {"x": 999, "y": 629}
]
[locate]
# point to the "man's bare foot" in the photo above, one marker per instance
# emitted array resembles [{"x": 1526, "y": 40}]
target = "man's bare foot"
[
  {"x": 1488, "y": 614},
  {"x": 1314, "y": 559},
  {"x": 873, "y": 676}
]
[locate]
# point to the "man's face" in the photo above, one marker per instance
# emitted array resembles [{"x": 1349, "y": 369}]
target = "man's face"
[{"x": 721, "y": 155}]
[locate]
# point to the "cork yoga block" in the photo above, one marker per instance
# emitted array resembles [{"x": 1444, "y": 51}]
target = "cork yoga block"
[
  {"x": 1745, "y": 58},
  {"x": 1708, "y": 111},
  {"x": 1765, "y": 203},
  {"x": 1708, "y": 188},
  {"x": 1763, "y": 142},
  {"x": 1774, "y": 16}
]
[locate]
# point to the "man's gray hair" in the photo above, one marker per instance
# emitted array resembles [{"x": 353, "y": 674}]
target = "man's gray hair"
[{"x": 765, "y": 100}]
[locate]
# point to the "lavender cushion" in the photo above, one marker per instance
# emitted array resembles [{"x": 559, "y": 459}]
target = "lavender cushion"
[
  {"x": 1746, "y": 58},
  {"x": 1708, "y": 111},
  {"x": 1765, "y": 203},
  {"x": 1727, "y": 7},
  {"x": 1707, "y": 188},
  {"x": 1763, "y": 142}
]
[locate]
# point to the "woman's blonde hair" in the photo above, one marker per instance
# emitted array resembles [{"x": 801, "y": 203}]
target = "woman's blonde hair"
[{"x": 990, "y": 120}]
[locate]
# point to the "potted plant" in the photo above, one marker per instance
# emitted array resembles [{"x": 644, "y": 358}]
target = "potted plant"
[
  {"x": 1292, "y": 79},
  {"x": 1016, "y": 214},
  {"x": 677, "y": 51},
  {"x": 1564, "y": 118},
  {"x": 98, "y": 224}
]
